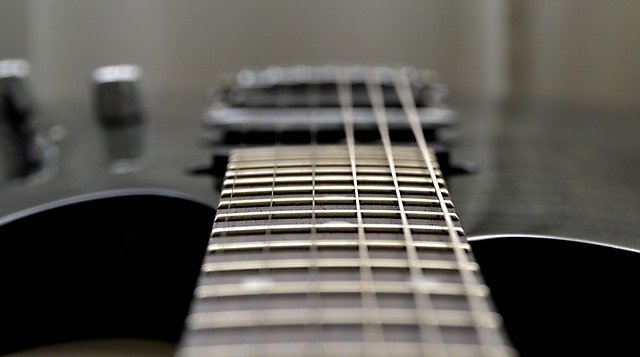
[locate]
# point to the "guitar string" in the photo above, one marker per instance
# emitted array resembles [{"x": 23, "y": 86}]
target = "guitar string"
[
  {"x": 407, "y": 109},
  {"x": 244, "y": 132},
  {"x": 263, "y": 275},
  {"x": 314, "y": 298},
  {"x": 428, "y": 332},
  {"x": 264, "y": 272},
  {"x": 476, "y": 304},
  {"x": 372, "y": 332}
]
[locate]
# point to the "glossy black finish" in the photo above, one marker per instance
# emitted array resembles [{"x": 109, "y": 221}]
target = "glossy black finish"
[
  {"x": 84, "y": 165},
  {"x": 125, "y": 267},
  {"x": 567, "y": 170},
  {"x": 545, "y": 169},
  {"x": 563, "y": 298},
  {"x": 111, "y": 267}
]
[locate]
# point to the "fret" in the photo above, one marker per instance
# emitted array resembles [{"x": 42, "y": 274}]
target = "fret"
[
  {"x": 333, "y": 287},
  {"x": 342, "y": 300},
  {"x": 299, "y": 244},
  {"x": 324, "y": 178},
  {"x": 208, "y": 268},
  {"x": 334, "y": 348},
  {"x": 324, "y": 189},
  {"x": 328, "y": 243},
  {"x": 325, "y": 170},
  {"x": 335, "y": 213},
  {"x": 275, "y": 317},
  {"x": 260, "y": 202},
  {"x": 328, "y": 227},
  {"x": 325, "y": 162}
]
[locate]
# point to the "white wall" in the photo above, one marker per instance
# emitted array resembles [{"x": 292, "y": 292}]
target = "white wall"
[
  {"x": 13, "y": 28},
  {"x": 579, "y": 51},
  {"x": 565, "y": 50},
  {"x": 184, "y": 45}
]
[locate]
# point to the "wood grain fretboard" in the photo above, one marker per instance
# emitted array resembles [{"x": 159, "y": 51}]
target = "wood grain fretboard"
[{"x": 311, "y": 255}]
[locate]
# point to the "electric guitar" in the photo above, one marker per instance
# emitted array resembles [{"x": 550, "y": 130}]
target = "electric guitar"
[{"x": 334, "y": 232}]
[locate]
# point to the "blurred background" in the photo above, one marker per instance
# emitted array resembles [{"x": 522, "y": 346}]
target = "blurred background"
[{"x": 574, "y": 51}]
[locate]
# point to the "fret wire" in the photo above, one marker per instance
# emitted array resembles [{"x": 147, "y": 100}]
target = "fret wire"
[
  {"x": 327, "y": 243},
  {"x": 373, "y": 332},
  {"x": 329, "y": 178},
  {"x": 338, "y": 349},
  {"x": 333, "y": 287},
  {"x": 329, "y": 200},
  {"x": 336, "y": 263},
  {"x": 330, "y": 213},
  {"x": 338, "y": 316},
  {"x": 422, "y": 300},
  {"x": 478, "y": 306},
  {"x": 327, "y": 189},
  {"x": 283, "y": 172},
  {"x": 333, "y": 152},
  {"x": 332, "y": 227}
]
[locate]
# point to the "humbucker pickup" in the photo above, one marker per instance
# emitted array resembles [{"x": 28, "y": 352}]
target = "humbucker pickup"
[
  {"x": 303, "y": 86},
  {"x": 259, "y": 103},
  {"x": 298, "y": 105}
]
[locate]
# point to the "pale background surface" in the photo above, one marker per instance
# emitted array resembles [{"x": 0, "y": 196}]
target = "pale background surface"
[{"x": 577, "y": 51}]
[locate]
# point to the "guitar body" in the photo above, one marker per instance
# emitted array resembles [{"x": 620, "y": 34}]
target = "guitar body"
[
  {"x": 120, "y": 257},
  {"x": 138, "y": 279}
]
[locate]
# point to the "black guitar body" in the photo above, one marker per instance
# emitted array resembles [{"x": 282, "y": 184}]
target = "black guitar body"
[
  {"x": 122, "y": 266},
  {"x": 554, "y": 305},
  {"x": 120, "y": 258},
  {"x": 70, "y": 274}
]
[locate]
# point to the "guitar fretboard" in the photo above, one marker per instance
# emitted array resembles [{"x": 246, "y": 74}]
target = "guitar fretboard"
[{"x": 311, "y": 255}]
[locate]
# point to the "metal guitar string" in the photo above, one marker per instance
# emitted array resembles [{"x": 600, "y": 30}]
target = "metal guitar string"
[
  {"x": 262, "y": 304},
  {"x": 312, "y": 295},
  {"x": 477, "y": 305},
  {"x": 244, "y": 132},
  {"x": 372, "y": 332},
  {"x": 428, "y": 332},
  {"x": 262, "y": 276}
]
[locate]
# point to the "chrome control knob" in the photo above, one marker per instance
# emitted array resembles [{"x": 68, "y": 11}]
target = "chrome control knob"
[
  {"x": 119, "y": 110},
  {"x": 17, "y": 133}
]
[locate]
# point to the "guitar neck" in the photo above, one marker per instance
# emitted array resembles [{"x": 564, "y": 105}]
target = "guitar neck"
[{"x": 314, "y": 251}]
